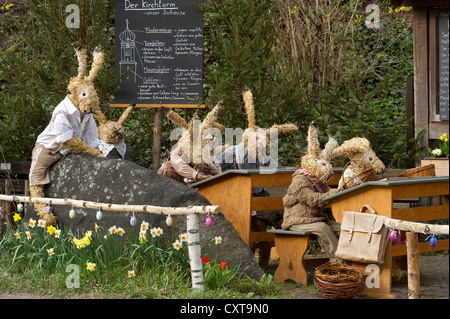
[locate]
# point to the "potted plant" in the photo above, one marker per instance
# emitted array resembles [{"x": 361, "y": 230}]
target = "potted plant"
[{"x": 439, "y": 156}]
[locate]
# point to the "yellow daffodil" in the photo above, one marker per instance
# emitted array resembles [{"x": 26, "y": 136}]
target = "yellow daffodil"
[
  {"x": 17, "y": 217},
  {"x": 90, "y": 266},
  {"x": 51, "y": 229}
]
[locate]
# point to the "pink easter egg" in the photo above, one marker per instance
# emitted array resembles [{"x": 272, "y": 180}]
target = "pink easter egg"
[
  {"x": 208, "y": 221},
  {"x": 393, "y": 235}
]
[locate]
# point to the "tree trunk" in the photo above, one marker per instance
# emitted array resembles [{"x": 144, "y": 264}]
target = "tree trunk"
[
  {"x": 195, "y": 251},
  {"x": 157, "y": 139}
]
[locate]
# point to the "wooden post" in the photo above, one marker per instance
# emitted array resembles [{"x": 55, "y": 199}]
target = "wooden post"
[
  {"x": 157, "y": 129},
  {"x": 412, "y": 246},
  {"x": 195, "y": 251}
]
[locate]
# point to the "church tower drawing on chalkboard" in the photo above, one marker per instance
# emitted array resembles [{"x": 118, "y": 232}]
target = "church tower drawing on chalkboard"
[{"x": 127, "y": 54}]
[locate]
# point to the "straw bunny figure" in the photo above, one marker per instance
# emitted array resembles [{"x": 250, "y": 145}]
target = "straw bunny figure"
[
  {"x": 191, "y": 160},
  {"x": 254, "y": 150},
  {"x": 303, "y": 204},
  {"x": 72, "y": 128},
  {"x": 361, "y": 157},
  {"x": 111, "y": 134}
]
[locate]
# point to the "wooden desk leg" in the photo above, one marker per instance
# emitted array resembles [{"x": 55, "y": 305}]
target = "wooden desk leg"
[{"x": 291, "y": 250}]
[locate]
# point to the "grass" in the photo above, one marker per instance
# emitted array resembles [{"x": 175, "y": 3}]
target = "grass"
[{"x": 158, "y": 271}]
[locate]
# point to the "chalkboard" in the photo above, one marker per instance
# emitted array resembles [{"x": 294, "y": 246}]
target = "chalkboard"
[
  {"x": 443, "y": 66},
  {"x": 159, "y": 53}
]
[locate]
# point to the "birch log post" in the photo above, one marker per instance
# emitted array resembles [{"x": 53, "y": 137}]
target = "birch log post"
[
  {"x": 412, "y": 247},
  {"x": 195, "y": 251}
]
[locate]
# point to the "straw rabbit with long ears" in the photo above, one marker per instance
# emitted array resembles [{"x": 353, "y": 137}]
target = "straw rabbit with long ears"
[
  {"x": 303, "y": 204},
  {"x": 191, "y": 160},
  {"x": 112, "y": 134},
  {"x": 254, "y": 150},
  {"x": 72, "y": 128},
  {"x": 361, "y": 157}
]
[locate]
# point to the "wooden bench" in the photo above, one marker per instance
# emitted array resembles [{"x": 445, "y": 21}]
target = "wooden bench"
[{"x": 291, "y": 247}]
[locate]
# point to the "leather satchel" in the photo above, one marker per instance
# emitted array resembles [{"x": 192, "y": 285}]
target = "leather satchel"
[{"x": 363, "y": 237}]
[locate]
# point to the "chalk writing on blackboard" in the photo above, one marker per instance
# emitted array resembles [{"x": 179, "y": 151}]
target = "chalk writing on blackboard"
[
  {"x": 443, "y": 66},
  {"x": 159, "y": 49}
]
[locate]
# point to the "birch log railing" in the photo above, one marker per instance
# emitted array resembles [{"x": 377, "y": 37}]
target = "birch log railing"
[
  {"x": 412, "y": 247},
  {"x": 191, "y": 213}
]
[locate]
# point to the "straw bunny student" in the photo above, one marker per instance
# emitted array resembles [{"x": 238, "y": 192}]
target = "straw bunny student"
[
  {"x": 112, "y": 135},
  {"x": 191, "y": 160},
  {"x": 303, "y": 205},
  {"x": 361, "y": 157},
  {"x": 253, "y": 152},
  {"x": 72, "y": 128}
]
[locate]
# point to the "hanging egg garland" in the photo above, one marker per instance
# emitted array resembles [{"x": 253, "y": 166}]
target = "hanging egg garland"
[
  {"x": 169, "y": 220},
  {"x": 48, "y": 209},
  {"x": 393, "y": 235},
  {"x": 99, "y": 214},
  {"x": 433, "y": 241},
  {"x": 20, "y": 208},
  {"x": 208, "y": 221},
  {"x": 133, "y": 219}
]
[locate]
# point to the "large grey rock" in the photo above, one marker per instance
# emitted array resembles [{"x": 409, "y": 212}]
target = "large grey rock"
[{"x": 83, "y": 177}]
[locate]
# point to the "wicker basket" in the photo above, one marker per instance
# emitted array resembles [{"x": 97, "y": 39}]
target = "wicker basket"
[
  {"x": 425, "y": 170},
  {"x": 338, "y": 281},
  {"x": 363, "y": 177}
]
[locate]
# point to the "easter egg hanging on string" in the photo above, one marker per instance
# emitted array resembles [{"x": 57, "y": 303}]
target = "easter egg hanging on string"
[
  {"x": 20, "y": 208},
  {"x": 99, "y": 215},
  {"x": 393, "y": 235},
  {"x": 208, "y": 221},
  {"x": 169, "y": 221},
  {"x": 433, "y": 241},
  {"x": 48, "y": 209},
  {"x": 72, "y": 214},
  {"x": 133, "y": 221}
]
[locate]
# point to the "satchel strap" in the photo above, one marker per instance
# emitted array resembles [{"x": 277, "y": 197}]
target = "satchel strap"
[{"x": 369, "y": 208}]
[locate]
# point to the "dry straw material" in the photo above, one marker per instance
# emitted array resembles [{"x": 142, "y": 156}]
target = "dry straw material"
[
  {"x": 338, "y": 281},
  {"x": 425, "y": 170}
]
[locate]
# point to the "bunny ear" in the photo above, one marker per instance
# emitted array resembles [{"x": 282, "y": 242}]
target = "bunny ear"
[
  {"x": 211, "y": 118},
  {"x": 313, "y": 140},
  {"x": 80, "y": 52},
  {"x": 125, "y": 114},
  {"x": 177, "y": 119},
  {"x": 99, "y": 56},
  {"x": 249, "y": 107},
  {"x": 352, "y": 146},
  {"x": 332, "y": 144},
  {"x": 283, "y": 129}
]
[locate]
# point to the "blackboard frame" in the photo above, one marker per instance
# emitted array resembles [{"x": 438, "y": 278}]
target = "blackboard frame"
[{"x": 139, "y": 15}]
